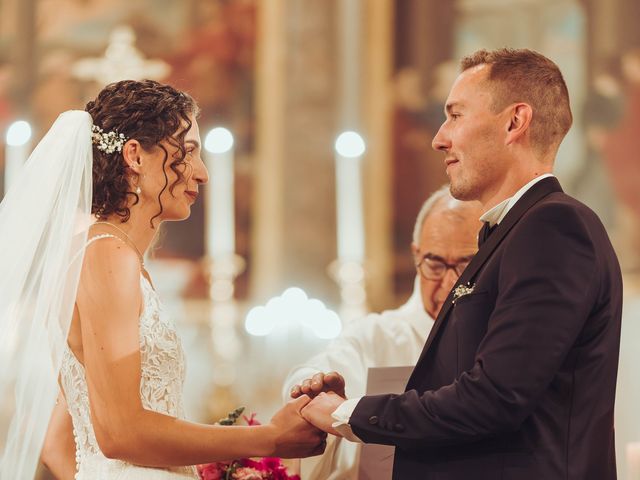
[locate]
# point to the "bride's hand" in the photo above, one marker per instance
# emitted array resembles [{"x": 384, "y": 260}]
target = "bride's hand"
[
  {"x": 293, "y": 436},
  {"x": 320, "y": 382}
]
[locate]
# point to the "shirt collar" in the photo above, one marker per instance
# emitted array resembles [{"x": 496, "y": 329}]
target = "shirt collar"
[{"x": 496, "y": 214}]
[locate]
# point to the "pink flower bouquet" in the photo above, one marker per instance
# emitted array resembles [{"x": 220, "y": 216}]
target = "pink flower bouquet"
[{"x": 268, "y": 468}]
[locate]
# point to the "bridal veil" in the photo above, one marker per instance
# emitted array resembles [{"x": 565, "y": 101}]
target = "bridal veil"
[{"x": 44, "y": 219}]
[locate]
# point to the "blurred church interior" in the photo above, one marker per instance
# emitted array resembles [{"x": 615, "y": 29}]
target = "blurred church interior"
[{"x": 298, "y": 233}]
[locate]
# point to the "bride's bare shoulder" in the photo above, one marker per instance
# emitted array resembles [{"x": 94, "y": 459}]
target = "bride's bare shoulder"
[{"x": 110, "y": 263}]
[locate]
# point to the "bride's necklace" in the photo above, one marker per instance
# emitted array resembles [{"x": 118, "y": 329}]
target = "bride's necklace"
[{"x": 140, "y": 256}]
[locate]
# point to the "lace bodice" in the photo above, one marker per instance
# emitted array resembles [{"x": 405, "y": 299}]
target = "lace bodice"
[{"x": 162, "y": 377}]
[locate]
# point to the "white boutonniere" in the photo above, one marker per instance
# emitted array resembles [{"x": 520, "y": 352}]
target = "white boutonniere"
[{"x": 462, "y": 290}]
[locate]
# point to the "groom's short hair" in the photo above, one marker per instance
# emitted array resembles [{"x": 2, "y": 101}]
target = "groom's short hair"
[{"x": 522, "y": 75}]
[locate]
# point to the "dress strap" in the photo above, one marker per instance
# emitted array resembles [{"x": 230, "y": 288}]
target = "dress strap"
[
  {"x": 90, "y": 241},
  {"x": 101, "y": 236}
]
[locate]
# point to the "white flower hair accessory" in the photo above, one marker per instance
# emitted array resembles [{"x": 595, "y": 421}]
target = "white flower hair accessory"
[{"x": 107, "y": 142}]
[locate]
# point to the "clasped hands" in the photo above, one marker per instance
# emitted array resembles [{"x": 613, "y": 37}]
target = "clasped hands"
[
  {"x": 326, "y": 391},
  {"x": 300, "y": 427}
]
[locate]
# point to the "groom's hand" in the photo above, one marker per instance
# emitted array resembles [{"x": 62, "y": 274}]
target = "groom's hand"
[
  {"x": 320, "y": 382},
  {"x": 318, "y": 411},
  {"x": 292, "y": 436}
]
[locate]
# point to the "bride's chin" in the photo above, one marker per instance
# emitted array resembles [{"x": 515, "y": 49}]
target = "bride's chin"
[{"x": 179, "y": 214}]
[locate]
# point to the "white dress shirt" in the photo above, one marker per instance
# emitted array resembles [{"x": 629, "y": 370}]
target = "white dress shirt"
[
  {"x": 495, "y": 215},
  {"x": 389, "y": 339}
]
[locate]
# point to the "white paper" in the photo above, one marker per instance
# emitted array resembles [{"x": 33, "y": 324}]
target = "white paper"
[{"x": 376, "y": 461}]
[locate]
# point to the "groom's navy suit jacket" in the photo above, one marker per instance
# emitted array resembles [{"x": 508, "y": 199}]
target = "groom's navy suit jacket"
[{"x": 517, "y": 379}]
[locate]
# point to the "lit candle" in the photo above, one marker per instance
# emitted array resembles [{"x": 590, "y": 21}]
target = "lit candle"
[
  {"x": 350, "y": 229},
  {"x": 220, "y": 226},
  {"x": 633, "y": 461},
  {"x": 17, "y": 151}
]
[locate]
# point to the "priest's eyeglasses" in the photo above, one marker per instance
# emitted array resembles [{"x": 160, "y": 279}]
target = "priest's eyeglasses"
[{"x": 433, "y": 267}]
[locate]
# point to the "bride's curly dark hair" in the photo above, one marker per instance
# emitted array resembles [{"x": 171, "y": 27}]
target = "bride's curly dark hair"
[{"x": 149, "y": 112}]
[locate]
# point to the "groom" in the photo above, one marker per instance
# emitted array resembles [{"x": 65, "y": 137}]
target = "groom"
[{"x": 517, "y": 378}]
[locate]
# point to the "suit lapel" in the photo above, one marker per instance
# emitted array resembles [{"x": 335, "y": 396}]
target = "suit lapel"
[{"x": 536, "y": 193}]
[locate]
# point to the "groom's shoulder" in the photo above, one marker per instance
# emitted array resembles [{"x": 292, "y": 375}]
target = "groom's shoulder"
[
  {"x": 559, "y": 220},
  {"x": 560, "y": 207}
]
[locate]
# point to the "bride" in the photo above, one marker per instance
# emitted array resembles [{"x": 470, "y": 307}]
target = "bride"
[{"x": 121, "y": 365}]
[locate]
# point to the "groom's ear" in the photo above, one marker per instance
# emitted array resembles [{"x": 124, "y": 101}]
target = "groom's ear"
[
  {"x": 520, "y": 116},
  {"x": 415, "y": 250}
]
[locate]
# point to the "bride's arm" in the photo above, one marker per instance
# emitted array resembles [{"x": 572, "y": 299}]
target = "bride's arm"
[
  {"x": 59, "y": 448},
  {"x": 109, "y": 301}
]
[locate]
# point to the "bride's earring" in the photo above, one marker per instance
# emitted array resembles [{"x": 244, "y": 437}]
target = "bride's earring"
[{"x": 138, "y": 190}]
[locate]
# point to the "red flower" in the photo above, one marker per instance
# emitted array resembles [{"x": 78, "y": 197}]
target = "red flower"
[
  {"x": 251, "y": 421},
  {"x": 247, "y": 462},
  {"x": 272, "y": 463}
]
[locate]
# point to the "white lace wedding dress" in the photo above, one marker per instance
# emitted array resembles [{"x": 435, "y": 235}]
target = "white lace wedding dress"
[{"x": 162, "y": 376}]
